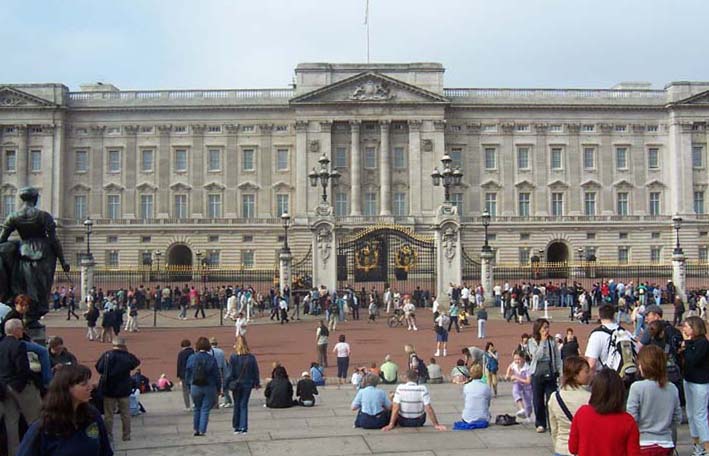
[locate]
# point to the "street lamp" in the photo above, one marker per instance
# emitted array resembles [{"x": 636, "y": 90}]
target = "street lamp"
[
  {"x": 486, "y": 222},
  {"x": 286, "y": 221},
  {"x": 88, "y": 227},
  {"x": 323, "y": 176},
  {"x": 579, "y": 252},
  {"x": 677, "y": 224},
  {"x": 449, "y": 177}
]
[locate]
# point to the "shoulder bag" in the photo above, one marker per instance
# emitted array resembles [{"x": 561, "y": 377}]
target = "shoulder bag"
[{"x": 234, "y": 382}]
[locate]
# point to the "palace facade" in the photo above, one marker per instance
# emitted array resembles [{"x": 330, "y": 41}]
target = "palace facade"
[{"x": 182, "y": 171}]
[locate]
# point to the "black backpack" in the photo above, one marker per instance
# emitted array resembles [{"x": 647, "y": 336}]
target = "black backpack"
[
  {"x": 420, "y": 367},
  {"x": 199, "y": 377}
]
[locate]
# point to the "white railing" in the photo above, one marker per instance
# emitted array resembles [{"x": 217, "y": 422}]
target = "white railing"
[
  {"x": 130, "y": 95},
  {"x": 554, "y": 93}
]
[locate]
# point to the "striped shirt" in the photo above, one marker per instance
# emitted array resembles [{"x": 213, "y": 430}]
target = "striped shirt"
[{"x": 412, "y": 399}]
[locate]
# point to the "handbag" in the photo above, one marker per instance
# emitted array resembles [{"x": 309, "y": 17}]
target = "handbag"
[
  {"x": 505, "y": 420},
  {"x": 234, "y": 382}
]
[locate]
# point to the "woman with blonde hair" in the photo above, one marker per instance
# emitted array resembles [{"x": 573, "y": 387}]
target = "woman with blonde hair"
[
  {"x": 243, "y": 377},
  {"x": 654, "y": 403}
]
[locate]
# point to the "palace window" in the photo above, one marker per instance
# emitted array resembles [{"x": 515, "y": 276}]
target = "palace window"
[
  {"x": 490, "y": 158},
  {"x": 653, "y": 158},
  {"x": 80, "y": 207},
  {"x": 180, "y": 206},
  {"x": 699, "y": 202},
  {"x": 370, "y": 204},
  {"x": 282, "y": 159},
  {"x": 523, "y": 157},
  {"x": 114, "y": 161},
  {"x": 621, "y": 157},
  {"x": 247, "y": 160},
  {"x": 491, "y": 203},
  {"x": 399, "y": 158},
  {"x": 654, "y": 204},
  {"x": 457, "y": 201},
  {"x": 282, "y": 204},
  {"x": 8, "y": 205},
  {"x": 589, "y": 203},
  {"x": 113, "y": 205},
  {"x": 81, "y": 161},
  {"x": 35, "y": 161},
  {"x": 181, "y": 160},
  {"x": 370, "y": 157},
  {"x": 523, "y": 205},
  {"x": 341, "y": 206},
  {"x": 399, "y": 204},
  {"x": 214, "y": 205},
  {"x": 214, "y": 160},
  {"x": 697, "y": 156},
  {"x": 247, "y": 258},
  {"x": 146, "y": 206},
  {"x": 340, "y": 157},
  {"x": 147, "y": 160},
  {"x": 589, "y": 158},
  {"x": 248, "y": 206},
  {"x": 556, "y": 161},
  {"x": 557, "y": 204},
  {"x": 622, "y": 203}
]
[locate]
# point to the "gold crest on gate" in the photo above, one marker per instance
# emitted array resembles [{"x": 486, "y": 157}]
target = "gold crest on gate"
[
  {"x": 367, "y": 257},
  {"x": 406, "y": 257}
]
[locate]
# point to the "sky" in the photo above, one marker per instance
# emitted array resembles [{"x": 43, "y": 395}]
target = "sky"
[{"x": 209, "y": 44}]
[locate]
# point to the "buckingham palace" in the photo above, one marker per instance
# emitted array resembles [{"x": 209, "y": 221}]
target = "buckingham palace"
[{"x": 599, "y": 171}]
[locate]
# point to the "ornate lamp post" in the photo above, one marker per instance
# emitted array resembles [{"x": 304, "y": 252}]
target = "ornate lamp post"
[
  {"x": 677, "y": 224},
  {"x": 158, "y": 254},
  {"x": 486, "y": 223},
  {"x": 448, "y": 177},
  {"x": 88, "y": 229},
  {"x": 286, "y": 257},
  {"x": 323, "y": 176}
]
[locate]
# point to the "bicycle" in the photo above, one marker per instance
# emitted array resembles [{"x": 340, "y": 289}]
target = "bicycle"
[{"x": 396, "y": 320}]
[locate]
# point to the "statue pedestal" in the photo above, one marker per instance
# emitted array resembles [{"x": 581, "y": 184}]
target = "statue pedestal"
[
  {"x": 38, "y": 334},
  {"x": 87, "y": 278},
  {"x": 448, "y": 253},
  {"x": 324, "y": 249},
  {"x": 679, "y": 275}
]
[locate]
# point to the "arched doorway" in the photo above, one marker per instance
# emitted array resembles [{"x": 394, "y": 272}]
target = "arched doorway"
[
  {"x": 557, "y": 252},
  {"x": 179, "y": 255}
]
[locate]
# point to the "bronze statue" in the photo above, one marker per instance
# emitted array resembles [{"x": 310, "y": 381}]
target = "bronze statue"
[{"x": 27, "y": 266}]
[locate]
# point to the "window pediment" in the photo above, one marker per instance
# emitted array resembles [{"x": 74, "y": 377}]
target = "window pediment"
[
  {"x": 180, "y": 187},
  {"x": 249, "y": 185}
]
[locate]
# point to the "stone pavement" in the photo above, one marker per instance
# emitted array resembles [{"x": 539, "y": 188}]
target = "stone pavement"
[{"x": 327, "y": 430}]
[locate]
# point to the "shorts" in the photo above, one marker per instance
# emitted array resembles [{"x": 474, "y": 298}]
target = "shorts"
[{"x": 442, "y": 336}]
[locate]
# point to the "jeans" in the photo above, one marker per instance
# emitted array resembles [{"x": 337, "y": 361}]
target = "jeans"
[
  {"x": 542, "y": 388},
  {"x": 377, "y": 421},
  {"x": 109, "y": 407},
  {"x": 481, "y": 328},
  {"x": 186, "y": 394},
  {"x": 343, "y": 363},
  {"x": 183, "y": 311},
  {"x": 203, "y": 397},
  {"x": 322, "y": 355},
  {"x": 411, "y": 422},
  {"x": 240, "y": 418},
  {"x": 43, "y": 355},
  {"x": 697, "y": 395},
  {"x": 639, "y": 325}
]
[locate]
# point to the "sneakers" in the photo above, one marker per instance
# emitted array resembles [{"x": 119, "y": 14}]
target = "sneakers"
[
  {"x": 226, "y": 405},
  {"x": 437, "y": 353},
  {"x": 445, "y": 353},
  {"x": 415, "y": 328},
  {"x": 541, "y": 430},
  {"x": 521, "y": 414},
  {"x": 698, "y": 450}
]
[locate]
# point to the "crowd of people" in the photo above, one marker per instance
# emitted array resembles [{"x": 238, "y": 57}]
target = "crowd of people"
[{"x": 636, "y": 383}]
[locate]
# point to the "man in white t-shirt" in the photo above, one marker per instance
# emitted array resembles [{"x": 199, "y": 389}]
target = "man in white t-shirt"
[
  {"x": 465, "y": 296},
  {"x": 388, "y": 299},
  {"x": 411, "y": 405},
  {"x": 410, "y": 314},
  {"x": 598, "y": 345}
]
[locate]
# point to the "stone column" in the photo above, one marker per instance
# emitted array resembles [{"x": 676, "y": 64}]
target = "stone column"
[
  {"x": 541, "y": 172},
  {"x": 680, "y": 152},
  {"x": 448, "y": 252},
  {"x": 264, "y": 174},
  {"x": 196, "y": 171},
  {"x": 284, "y": 270},
  {"x": 87, "y": 278},
  {"x": 355, "y": 176},
  {"x": 58, "y": 160},
  {"x": 163, "y": 171},
  {"x": 385, "y": 169},
  {"x": 324, "y": 251},
  {"x": 22, "y": 156},
  {"x": 95, "y": 172},
  {"x": 679, "y": 274},
  {"x": 300, "y": 160},
  {"x": 574, "y": 166},
  {"x": 415, "y": 193},
  {"x": 486, "y": 276},
  {"x": 131, "y": 160},
  {"x": 505, "y": 158},
  {"x": 605, "y": 166},
  {"x": 231, "y": 161}
]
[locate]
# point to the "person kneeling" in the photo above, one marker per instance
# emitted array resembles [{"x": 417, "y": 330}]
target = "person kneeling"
[
  {"x": 306, "y": 390},
  {"x": 411, "y": 405},
  {"x": 372, "y": 405},
  {"x": 477, "y": 396}
]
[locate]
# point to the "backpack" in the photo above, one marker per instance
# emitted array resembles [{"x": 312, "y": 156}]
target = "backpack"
[
  {"x": 199, "y": 377},
  {"x": 622, "y": 356},
  {"x": 420, "y": 367},
  {"x": 492, "y": 364}
]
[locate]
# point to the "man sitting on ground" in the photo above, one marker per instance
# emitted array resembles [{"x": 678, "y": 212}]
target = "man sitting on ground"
[
  {"x": 372, "y": 405},
  {"x": 411, "y": 405},
  {"x": 306, "y": 390},
  {"x": 389, "y": 371}
]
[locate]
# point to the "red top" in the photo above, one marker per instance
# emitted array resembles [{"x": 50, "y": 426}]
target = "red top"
[{"x": 592, "y": 434}]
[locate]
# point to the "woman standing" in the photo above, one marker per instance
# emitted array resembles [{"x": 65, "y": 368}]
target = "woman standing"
[
  {"x": 545, "y": 369},
  {"x": 243, "y": 377},
  {"x": 321, "y": 336},
  {"x": 204, "y": 379},
  {"x": 572, "y": 395},
  {"x": 342, "y": 351},
  {"x": 492, "y": 365},
  {"x": 68, "y": 425},
  {"x": 603, "y": 428},
  {"x": 91, "y": 316},
  {"x": 654, "y": 403},
  {"x": 696, "y": 381}
]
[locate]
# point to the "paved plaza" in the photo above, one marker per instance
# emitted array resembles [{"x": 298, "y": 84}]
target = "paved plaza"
[{"x": 327, "y": 430}]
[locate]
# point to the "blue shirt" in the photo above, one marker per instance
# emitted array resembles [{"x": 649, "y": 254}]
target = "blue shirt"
[
  {"x": 90, "y": 441},
  {"x": 213, "y": 375},
  {"x": 371, "y": 400},
  {"x": 316, "y": 374}
]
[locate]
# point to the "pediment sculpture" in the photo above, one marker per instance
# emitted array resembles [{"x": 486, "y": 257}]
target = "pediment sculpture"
[
  {"x": 372, "y": 91},
  {"x": 450, "y": 238},
  {"x": 324, "y": 242}
]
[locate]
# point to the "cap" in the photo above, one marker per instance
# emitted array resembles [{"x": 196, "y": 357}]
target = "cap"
[
  {"x": 305, "y": 374},
  {"x": 213, "y": 341},
  {"x": 654, "y": 309},
  {"x": 558, "y": 336},
  {"x": 119, "y": 342}
]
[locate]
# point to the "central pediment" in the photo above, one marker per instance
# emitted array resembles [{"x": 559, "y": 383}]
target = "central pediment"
[
  {"x": 13, "y": 98},
  {"x": 370, "y": 87}
]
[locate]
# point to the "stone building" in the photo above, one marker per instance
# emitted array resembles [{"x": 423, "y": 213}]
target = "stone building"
[{"x": 182, "y": 171}]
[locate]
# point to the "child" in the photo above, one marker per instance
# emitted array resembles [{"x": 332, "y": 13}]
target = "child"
[
  {"x": 358, "y": 377},
  {"x": 372, "y": 310},
  {"x": 491, "y": 366},
  {"x": 518, "y": 372},
  {"x": 317, "y": 374},
  {"x": 240, "y": 325}
]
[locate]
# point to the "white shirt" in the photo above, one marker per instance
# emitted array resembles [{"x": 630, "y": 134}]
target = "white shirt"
[
  {"x": 412, "y": 399},
  {"x": 465, "y": 293},
  {"x": 282, "y": 304},
  {"x": 409, "y": 308},
  {"x": 597, "y": 346},
  {"x": 342, "y": 349},
  {"x": 231, "y": 303},
  {"x": 498, "y": 290},
  {"x": 443, "y": 320},
  {"x": 435, "y": 307},
  {"x": 240, "y": 327}
]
